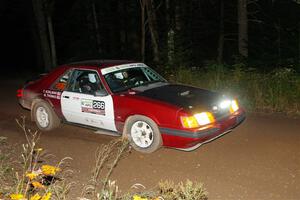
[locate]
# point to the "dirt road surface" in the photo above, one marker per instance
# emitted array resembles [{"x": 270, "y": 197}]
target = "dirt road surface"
[{"x": 258, "y": 160}]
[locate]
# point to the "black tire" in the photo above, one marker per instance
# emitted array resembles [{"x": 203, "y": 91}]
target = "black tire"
[
  {"x": 151, "y": 127},
  {"x": 53, "y": 120}
]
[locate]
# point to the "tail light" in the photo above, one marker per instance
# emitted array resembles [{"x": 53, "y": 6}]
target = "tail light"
[{"x": 20, "y": 93}]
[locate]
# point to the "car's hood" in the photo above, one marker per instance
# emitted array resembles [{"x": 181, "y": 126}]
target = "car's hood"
[{"x": 187, "y": 97}]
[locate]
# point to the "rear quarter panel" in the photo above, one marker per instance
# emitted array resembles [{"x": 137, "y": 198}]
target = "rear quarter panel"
[{"x": 34, "y": 90}]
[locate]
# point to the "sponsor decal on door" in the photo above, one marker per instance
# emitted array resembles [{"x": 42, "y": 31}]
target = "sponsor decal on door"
[
  {"x": 52, "y": 94},
  {"x": 93, "y": 106}
]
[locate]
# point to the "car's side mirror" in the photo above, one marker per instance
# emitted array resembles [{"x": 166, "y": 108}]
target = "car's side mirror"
[{"x": 100, "y": 93}]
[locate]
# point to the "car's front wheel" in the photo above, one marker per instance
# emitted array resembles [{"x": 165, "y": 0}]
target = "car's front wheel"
[
  {"x": 44, "y": 116},
  {"x": 143, "y": 134}
]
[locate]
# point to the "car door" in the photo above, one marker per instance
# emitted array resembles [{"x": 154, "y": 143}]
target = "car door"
[{"x": 86, "y": 102}]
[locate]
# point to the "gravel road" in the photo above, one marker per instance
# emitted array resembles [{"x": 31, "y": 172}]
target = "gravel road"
[{"x": 258, "y": 160}]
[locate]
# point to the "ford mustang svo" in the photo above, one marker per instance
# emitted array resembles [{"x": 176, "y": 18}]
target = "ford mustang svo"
[{"x": 131, "y": 100}]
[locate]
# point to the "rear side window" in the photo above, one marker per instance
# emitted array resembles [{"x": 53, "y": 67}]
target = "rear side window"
[{"x": 61, "y": 83}]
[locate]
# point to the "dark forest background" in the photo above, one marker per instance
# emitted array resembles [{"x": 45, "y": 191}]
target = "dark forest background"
[{"x": 40, "y": 34}]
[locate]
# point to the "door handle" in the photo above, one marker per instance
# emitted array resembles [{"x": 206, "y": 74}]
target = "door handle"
[{"x": 66, "y": 97}]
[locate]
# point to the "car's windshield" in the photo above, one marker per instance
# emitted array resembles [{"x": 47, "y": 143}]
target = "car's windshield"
[{"x": 124, "y": 79}]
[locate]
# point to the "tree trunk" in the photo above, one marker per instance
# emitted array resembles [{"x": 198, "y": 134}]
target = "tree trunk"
[
  {"x": 177, "y": 17},
  {"x": 143, "y": 31},
  {"x": 278, "y": 29},
  {"x": 38, "y": 9},
  {"x": 221, "y": 34},
  {"x": 243, "y": 28},
  {"x": 168, "y": 14},
  {"x": 170, "y": 37},
  {"x": 52, "y": 41},
  {"x": 153, "y": 29},
  {"x": 123, "y": 10},
  {"x": 96, "y": 26},
  {"x": 299, "y": 43}
]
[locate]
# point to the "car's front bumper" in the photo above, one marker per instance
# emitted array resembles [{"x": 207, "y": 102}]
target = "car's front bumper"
[{"x": 189, "y": 140}]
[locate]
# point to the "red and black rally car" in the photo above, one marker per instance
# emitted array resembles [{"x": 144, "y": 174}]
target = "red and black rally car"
[{"x": 130, "y": 99}]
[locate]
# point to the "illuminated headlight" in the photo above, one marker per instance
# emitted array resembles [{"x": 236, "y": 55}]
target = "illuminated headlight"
[
  {"x": 204, "y": 118},
  {"x": 232, "y": 105},
  {"x": 197, "y": 120},
  {"x": 225, "y": 104}
]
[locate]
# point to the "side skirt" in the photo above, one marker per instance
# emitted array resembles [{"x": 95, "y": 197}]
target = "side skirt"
[{"x": 96, "y": 130}]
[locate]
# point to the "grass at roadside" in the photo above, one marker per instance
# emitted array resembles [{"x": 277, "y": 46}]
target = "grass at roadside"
[
  {"x": 34, "y": 176},
  {"x": 275, "y": 91}
]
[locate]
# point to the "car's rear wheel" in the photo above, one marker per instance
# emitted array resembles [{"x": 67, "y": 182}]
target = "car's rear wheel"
[
  {"x": 44, "y": 116},
  {"x": 143, "y": 134}
]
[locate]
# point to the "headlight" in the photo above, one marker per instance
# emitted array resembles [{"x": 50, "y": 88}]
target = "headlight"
[
  {"x": 197, "y": 120},
  {"x": 232, "y": 105},
  {"x": 225, "y": 104},
  {"x": 204, "y": 118}
]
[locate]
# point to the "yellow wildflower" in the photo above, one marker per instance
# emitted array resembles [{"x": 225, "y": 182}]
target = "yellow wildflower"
[
  {"x": 35, "y": 197},
  {"x": 38, "y": 150},
  {"x": 137, "y": 197},
  {"x": 46, "y": 196},
  {"x": 37, "y": 184},
  {"x": 31, "y": 175},
  {"x": 49, "y": 170},
  {"x": 16, "y": 196}
]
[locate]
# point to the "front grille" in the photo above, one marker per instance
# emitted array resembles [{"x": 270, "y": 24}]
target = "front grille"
[{"x": 221, "y": 113}]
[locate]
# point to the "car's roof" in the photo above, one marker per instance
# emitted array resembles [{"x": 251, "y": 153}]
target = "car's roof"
[{"x": 100, "y": 63}]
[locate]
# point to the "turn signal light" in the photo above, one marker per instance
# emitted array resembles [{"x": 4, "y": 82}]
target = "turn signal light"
[
  {"x": 199, "y": 119},
  {"x": 189, "y": 122}
]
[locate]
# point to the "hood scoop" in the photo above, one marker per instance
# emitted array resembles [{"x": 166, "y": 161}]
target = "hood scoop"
[{"x": 186, "y": 93}]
